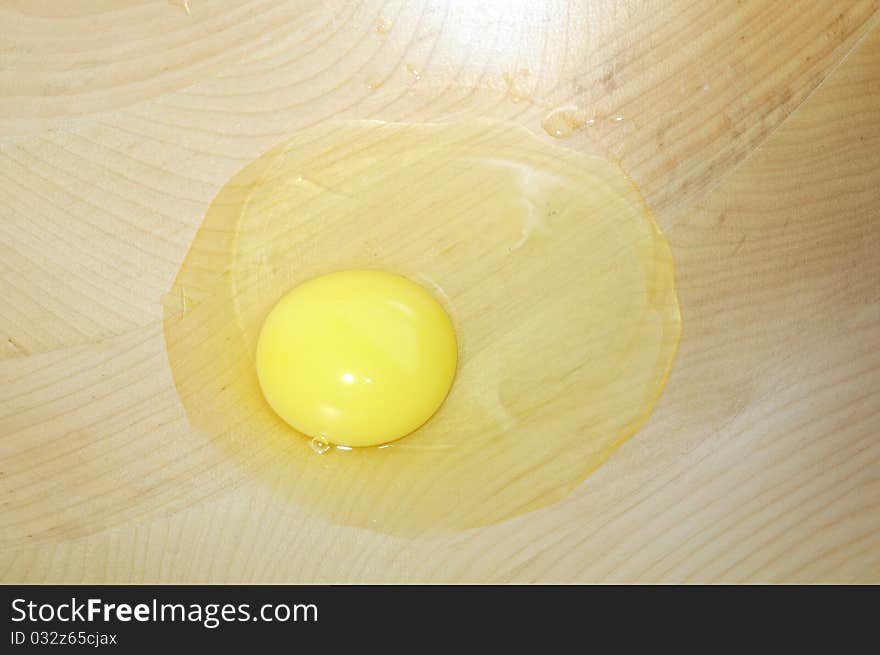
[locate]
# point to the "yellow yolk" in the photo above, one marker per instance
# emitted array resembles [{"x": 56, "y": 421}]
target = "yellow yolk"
[{"x": 356, "y": 358}]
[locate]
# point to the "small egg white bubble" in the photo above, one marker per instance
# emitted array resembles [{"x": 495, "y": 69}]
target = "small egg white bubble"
[{"x": 320, "y": 444}]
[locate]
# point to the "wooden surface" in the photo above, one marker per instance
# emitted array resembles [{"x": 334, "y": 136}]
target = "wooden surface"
[{"x": 752, "y": 128}]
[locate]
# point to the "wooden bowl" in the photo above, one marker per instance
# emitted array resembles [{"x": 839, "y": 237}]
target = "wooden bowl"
[{"x": 752, "y": 129}]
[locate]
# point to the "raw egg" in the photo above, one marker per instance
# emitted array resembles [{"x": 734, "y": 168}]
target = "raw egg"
[
  {"x": 548, "y": 262},
  {"x": 356, "y": 358}
]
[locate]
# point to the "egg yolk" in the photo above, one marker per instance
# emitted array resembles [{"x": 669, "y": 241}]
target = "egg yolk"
[{"x": 356, "y": 358}]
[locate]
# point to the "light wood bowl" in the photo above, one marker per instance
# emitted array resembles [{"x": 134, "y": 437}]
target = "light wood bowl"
[{"x": 752, "y": 129}]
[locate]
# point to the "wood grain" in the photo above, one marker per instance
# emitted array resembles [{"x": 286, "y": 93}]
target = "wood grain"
[{"x": 752, "y": 128}]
